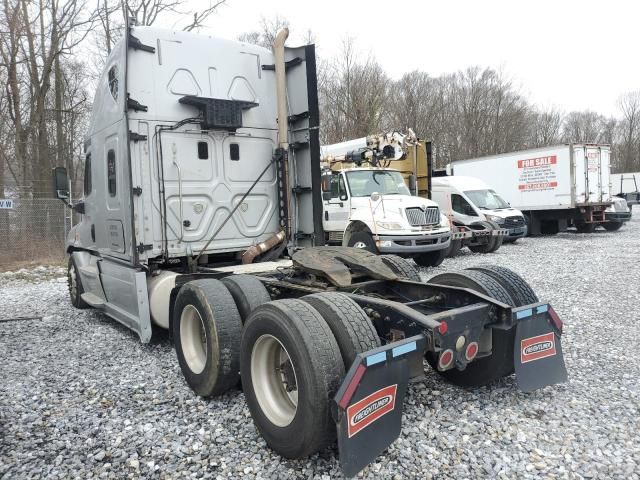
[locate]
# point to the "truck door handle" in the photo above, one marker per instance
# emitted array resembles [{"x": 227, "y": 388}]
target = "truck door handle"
[
  {"x": 93, "y": 232},
  {"x": 326, "y": 215}
]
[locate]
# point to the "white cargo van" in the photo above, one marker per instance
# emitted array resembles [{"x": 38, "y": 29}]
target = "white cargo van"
[{"x": 468, "y": 200}]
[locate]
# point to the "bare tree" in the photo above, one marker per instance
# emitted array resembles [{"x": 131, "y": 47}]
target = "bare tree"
[
  {"x": 629, "y": 128},
  {"x": 545, "y": 127},
  {"x": 266, "y": 34},
  {"x": 353, "y": 96}
]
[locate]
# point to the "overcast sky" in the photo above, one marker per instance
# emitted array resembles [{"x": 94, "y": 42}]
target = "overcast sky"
[{"x": 573, "y": 55}]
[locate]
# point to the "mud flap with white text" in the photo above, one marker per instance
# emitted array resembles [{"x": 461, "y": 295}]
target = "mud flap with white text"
[
  {"x": 537, "y": 353},
  {"x": 368, "y": 404}
]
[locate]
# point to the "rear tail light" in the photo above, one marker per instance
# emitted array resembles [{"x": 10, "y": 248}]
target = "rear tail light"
[
  {"x": 471, "y": 351},
  {"x": 445, "y": 360},
  {"x": 443, "y": 327}
]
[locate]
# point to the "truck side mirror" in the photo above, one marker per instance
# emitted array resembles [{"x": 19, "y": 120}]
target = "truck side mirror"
[
  {"x": 326, "y": 183},
  {"x": 413, "y": 185},
  {"x": 61, "y": 183},
  {"x": 326, "y": 196}
]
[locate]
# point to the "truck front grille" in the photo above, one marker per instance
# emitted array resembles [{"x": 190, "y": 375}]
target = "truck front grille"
[
  {"x": 514, "y": 221},
  {"x": 418, "y": 217}
]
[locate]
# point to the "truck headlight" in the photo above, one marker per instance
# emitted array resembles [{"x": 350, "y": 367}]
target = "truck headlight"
[
  {"x": 495, "y": 218},
  {"x": 390, "y": 225}
]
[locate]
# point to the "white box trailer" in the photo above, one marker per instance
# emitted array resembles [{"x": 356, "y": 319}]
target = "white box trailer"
[{"x": 554, "y": 187}]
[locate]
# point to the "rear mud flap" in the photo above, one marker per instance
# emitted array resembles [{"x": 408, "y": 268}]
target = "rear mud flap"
[
  {"x": 367, "y": 408},
  {"x": 537, "y": 353}
]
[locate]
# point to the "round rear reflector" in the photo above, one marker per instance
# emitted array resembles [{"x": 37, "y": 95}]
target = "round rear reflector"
[
  {"x": 472, "y": 351},
  {"x": 446, "y": 359},
  {"x": 443, "y": 327}
]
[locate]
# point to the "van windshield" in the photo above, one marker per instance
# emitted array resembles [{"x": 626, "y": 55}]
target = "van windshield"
[
  {"x": 363, "y": 183},
  {"x": 486, "y": 199}
]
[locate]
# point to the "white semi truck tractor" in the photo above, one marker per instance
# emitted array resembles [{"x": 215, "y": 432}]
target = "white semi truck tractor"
[
  {"x": 202, "y": 214},
  {"x": 368, "y": 205}
]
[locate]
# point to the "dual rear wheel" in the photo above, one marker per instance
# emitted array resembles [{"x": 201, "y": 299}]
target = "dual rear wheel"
[{"x": 290, "y": 354}]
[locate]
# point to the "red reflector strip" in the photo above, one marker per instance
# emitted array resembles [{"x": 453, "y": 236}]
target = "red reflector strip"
[
  {"x": 351, "y": 388},
  {"x": 555, "y": 318}
]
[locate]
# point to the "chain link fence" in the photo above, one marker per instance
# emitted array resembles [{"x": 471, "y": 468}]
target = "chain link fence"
[{"x": 33, "y": 232}]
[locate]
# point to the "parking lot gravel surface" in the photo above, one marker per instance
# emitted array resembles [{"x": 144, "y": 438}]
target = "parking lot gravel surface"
[{"x": 81, "y": 397}]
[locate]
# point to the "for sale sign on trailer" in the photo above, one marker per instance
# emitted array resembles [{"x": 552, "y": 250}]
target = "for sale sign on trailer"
[{"x": 539, "y": 173}]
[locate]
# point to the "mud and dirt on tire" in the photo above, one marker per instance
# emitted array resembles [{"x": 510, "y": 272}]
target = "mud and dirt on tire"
[
  {"x": 248, "y": 292},
  {"x": 206, "y": 331},
  {"x": 500, "y": 363},
  {"x": 402, "y": 267},
  {"x": 363, "y": 240},
  {"x": 430, "y": 259},
  {"x": 75, "y": 285},
  {"x": 315, "y": 364},
  {"x": 349, "y": 324}
]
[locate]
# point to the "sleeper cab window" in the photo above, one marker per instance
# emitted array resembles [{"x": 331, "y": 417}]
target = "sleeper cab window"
[
  {"x": 87, "y": 175},
  {"x": 113, "y": 81},
  {"x": 111, "y": 173}
]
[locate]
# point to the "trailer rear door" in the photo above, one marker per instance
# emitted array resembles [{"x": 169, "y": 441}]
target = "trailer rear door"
[{"x": 592, "y": 173}]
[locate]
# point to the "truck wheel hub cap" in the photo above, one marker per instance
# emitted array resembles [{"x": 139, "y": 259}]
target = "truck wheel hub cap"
[
  {"x": 193, "y": 339},
  {"x": 273, "y": 376},
  {"x": 360, "y": 245}
]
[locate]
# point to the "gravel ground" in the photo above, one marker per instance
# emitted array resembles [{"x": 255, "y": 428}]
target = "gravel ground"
[{"x": 80, "y": 397}]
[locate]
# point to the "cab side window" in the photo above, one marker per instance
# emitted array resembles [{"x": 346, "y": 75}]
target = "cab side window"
[
  {"x": 460, "y": 205},
  {"x": 87, "y": 175},
  {"x": 111, "y": 173},
  {"x": 338, "y": 188}
]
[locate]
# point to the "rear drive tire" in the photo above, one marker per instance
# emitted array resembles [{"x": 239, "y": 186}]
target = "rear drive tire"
[
  {"x": 495, "y": 243},
  {"x": 518, "y": 288},
  {"x": 586, "y": 227},
  {"x": 206, "y": 331},
  {"x": 291, "y": 368},
  {"x": 500, "y": 363},
  {"x": 363, "y": 240},
  {"x": 75, "y": 286},
  {"x": 349, "y": 324},
  {"x": 483, "y": 248},
  {"x": 248, "y": 292},
  {"x": 612, "y": 226},
  {"x": 430, "y": 259},
  {"x": 402, "y": 267}
]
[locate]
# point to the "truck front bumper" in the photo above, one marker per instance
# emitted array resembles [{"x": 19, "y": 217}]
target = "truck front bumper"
[
  {"x": 618, "y": 217},
  {"x": 409, "y": 244},
  {"x": 518, "y": 232}
]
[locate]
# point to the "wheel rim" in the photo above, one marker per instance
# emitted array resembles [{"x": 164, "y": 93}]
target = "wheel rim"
[
  {"x": 193, "y": 339},
  {"x": 73, "y": 282},
  {"x": 360, "y": 245},
  {"x": 274, "y": 380}
]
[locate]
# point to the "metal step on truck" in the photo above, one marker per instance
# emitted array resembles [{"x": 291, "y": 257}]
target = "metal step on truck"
[
  {"x": 368, "y": 205},
  {"x": 202, "y": 214}
]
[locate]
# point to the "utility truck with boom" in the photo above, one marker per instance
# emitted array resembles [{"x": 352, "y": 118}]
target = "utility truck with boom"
[
  {"x": 202, "y": 215},
  {"x": 368, "y": 205}
]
